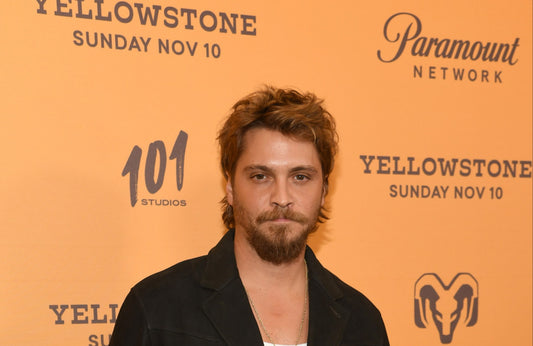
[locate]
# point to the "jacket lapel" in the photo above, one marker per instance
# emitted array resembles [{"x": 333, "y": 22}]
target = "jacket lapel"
[
  {"x": 327, "y": 318},
  {"x": 230, "y": 313},
  {"x": 228, "y": 308}
]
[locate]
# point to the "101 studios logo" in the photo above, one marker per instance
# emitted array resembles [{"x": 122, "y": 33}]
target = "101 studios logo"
[
  {"x": 446, "y": 306},
  {"x": 156, "y": 159}
]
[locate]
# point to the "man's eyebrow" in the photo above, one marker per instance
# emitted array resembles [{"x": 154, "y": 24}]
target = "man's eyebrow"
[
  {"x": 304, "y": 168},
  {"x": 258, "y": 168}
]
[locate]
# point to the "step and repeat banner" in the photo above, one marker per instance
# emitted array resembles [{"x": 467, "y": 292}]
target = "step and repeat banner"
[{"x": 110, "y": 172}]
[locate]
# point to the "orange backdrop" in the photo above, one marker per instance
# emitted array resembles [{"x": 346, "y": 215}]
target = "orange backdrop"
[{"x": 93, "y": 103}]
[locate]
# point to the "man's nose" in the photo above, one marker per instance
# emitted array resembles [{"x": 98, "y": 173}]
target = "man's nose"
[{"x": 281, "y": 194}]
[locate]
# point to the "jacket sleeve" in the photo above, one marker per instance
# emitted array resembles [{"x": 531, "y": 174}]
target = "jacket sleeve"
[
  {"x": 131, "y": 326},
  {"x": 385, "y": 338}
]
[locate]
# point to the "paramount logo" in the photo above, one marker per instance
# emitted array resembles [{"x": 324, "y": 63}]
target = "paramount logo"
[
  {"x": 403, "y": 33},
  {"x": 444, "y": 48}
]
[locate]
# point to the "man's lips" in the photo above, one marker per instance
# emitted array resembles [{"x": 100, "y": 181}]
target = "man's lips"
[{"x": 280, "y": 220}]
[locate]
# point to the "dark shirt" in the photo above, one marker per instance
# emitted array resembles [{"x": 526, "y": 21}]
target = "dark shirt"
[{"x": 202, "y": 302}]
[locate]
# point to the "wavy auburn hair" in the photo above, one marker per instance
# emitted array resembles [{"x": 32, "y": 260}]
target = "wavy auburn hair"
[{"x": 298, "y": 115}]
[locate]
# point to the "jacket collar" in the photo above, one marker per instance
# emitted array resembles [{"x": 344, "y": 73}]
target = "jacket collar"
[
  {"x": 327, "y": 318},
  {"x": 230, "y": 312},
  {"x": 221, "y": 267}
]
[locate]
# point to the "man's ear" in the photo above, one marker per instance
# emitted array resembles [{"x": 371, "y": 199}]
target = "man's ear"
[
  {"x": 324, "y": 192},
  {"x": 229, "y": 191}
]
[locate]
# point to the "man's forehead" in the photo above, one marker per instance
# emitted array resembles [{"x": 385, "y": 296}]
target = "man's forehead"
[
  {"x": 267, "y": 137},
  {"x": 268, "y": 148}
]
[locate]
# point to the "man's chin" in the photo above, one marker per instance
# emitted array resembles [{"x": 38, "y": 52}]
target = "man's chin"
[{"x": 277, "y": 243}]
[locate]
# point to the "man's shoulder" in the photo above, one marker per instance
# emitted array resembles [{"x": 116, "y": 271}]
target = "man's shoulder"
[
  {"x": 180, "y": 276},
  {"x": 195, "y": 277}
]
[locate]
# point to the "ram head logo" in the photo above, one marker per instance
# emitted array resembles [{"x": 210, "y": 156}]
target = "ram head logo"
[{"x": 448, "y": 306}]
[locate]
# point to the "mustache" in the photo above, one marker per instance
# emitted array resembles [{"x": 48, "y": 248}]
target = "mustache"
[{"x": 281, "y": 213}]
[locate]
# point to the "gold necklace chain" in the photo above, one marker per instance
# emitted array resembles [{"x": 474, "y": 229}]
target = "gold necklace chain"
[{"x": 303, "y": 315}]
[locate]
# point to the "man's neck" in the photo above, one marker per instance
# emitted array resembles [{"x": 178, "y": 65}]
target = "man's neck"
[{"x": 277, "y": 293}]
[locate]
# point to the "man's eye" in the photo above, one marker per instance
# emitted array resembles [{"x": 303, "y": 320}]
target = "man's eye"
[
  {"x": 301, "y": 177},
  {"x": 258, "y": 176}
]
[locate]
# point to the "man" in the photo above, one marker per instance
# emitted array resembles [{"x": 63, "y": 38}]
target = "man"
[{"x": 260, "y": 285}]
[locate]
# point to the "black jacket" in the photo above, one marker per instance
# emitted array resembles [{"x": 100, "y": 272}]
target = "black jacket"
[{"x": 202, "y": 302}]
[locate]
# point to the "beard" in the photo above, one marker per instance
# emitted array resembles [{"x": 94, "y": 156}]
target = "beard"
[{"x": 276, "y": 243}]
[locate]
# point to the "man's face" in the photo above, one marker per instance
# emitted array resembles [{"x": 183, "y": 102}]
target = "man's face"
[{"x": 276, "y": 192}]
